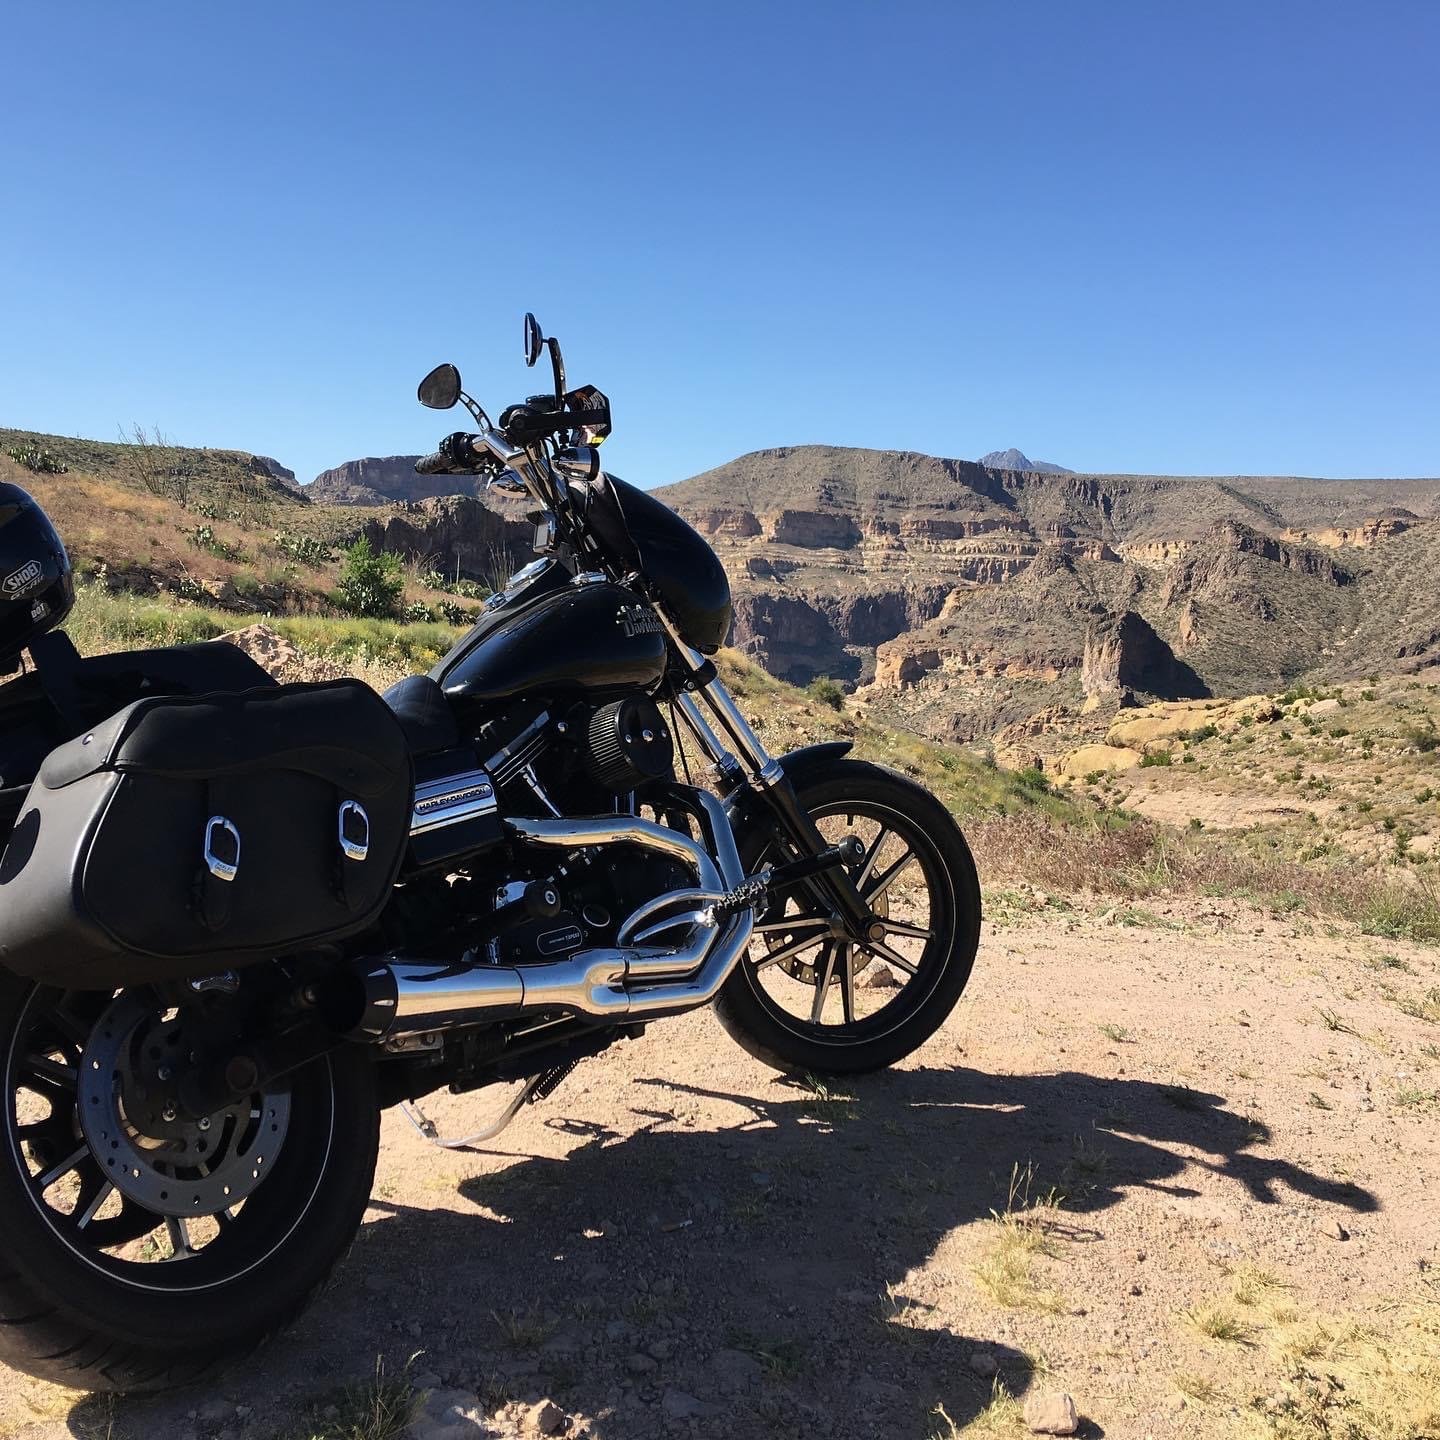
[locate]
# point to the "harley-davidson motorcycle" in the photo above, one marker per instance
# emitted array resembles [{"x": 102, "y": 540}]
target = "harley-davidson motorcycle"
[{"x": 239, "y": 919}]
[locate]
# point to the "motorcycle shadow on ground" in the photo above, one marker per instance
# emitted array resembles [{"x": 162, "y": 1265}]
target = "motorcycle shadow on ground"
[{"x": 751, "y": 1275}]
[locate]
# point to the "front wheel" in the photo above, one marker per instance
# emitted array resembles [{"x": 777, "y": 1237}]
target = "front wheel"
[
  {"x": 140, "y": 1248},
  {"x": 811, "y": 996}
]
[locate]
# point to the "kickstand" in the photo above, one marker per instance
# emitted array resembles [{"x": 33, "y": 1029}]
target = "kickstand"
[{"x": 537, "y": 1087}]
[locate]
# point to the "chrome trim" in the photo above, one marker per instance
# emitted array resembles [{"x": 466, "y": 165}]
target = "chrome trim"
[
  {"x": 439, "y": 803},
  {"x": 573, "y": 834},
  {"x": 353, "y": 849},
  {"x": 749, "y": 747},
  {"x": 511, "y": 758},
  {"x": 409, "y": 997},
  {"x": 221, "y": 869}
]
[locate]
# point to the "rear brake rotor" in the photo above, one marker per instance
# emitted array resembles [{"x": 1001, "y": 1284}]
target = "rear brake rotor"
[{"x": 170, "y": 1164}]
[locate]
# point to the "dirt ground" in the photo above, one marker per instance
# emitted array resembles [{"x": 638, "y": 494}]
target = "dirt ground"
[{"x": 680, "y": 1243}]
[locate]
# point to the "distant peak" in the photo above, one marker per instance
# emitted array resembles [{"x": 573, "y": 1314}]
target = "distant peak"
[{"x": 1013, "y": 459}]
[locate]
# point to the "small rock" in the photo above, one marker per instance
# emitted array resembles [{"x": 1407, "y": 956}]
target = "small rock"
[
  {"x": 1136, "y": 1290},
  {"x": 982, "y": 1362},
  {"x": 448, "y": 1415},
  {"x": 547, "y": 1418},
  {"x": 658, "y": 1350},
  {"x": 734, "y": 1369},
  {"x": 1335, "y": 1230},
  {"x": 213, "y": 1410},
  {"x": 1051, "y": 1412},
  {"x": 680, "y": 1406},
  {"x": 881, "y": 977},
  {"x": 617, "y": 1329},
  {"x": 638, "y": 1364},
  {"x": 425, "y": 1380}
]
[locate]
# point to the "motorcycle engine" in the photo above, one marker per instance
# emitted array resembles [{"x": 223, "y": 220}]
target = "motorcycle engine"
[{"x": 581, "y": 760}]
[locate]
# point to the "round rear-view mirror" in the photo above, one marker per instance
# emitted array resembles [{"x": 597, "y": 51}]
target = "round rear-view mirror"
[
  {"x": 534, "y": 339},
  {"x": 440, "y": 389}
]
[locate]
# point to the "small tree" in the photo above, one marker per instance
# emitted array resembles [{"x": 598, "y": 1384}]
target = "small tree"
[{"x": 371, "y": 582}]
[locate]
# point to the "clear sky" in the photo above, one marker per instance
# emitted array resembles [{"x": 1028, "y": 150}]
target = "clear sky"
[{"x": 1198, "y": 238}]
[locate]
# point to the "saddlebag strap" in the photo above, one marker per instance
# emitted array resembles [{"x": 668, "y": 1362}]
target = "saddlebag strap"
[
  {"x": 57, "y": 662},
  {"x": 219, "y": 858},
  {"x": 351, "y": 839}
]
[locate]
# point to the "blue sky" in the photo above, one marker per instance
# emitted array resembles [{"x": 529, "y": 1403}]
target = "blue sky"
[{"x": 1148, "y": 237}]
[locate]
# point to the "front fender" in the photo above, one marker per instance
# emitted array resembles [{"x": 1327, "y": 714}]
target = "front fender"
[{"x": 743, "y": 805}]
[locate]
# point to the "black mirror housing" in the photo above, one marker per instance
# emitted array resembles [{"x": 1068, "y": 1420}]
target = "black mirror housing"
[
  {"x": 534, "y": 339},
  {"x": 440, "y": 389}
]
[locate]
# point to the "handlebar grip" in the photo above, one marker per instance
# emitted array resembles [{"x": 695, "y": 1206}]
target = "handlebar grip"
[{"x": 458, "y": 455}]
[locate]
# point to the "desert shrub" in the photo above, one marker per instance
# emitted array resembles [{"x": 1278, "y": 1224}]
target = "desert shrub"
[
  {"x": 1033, "y": 778},
  {"x": 371, "y": 582},
  {"x": 304, "y": 548},
  {"x": 247, "y": 586},
  {"x": 1423, "y": 739},
  {"x": 826, "y": 691},
  {"x": 466, "y": 589},
  {"x": 415, "y": 613},
  {"x": 203, "y": 537},
  {"x": 1156, "y": 757},
  {"x": 455, "y": 614},
  {"x": 37, "y": 460},
  {"x": 1202, "y": 732}
]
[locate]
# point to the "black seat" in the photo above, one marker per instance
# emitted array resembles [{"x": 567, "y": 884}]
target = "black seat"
[{"x": 424, "y": 714}]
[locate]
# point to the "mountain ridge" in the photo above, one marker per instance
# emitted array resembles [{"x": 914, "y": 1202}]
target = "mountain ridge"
[{"x": 1013, "y": 459}]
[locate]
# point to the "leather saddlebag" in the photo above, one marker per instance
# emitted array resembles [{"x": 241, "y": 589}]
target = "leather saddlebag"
[{"x": 188, "y": 835}]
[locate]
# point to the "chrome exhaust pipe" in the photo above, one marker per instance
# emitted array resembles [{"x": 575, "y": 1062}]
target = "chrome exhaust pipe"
[{"x": 404, "y": 997}]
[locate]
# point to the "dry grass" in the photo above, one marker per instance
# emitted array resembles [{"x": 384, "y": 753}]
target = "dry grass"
[
  {"x": 1217, "y": 1322},
  {"x": 1335, "y": 1377},
  {"x": 379, "y": 1409},
  {"x": 1020, "y": 1234},
  {"x": 1139, "y": 858}
]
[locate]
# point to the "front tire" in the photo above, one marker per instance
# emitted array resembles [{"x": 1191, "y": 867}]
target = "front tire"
[
  {"x": 100, "y": 1292},
  {"x": 809, "y": 997}
]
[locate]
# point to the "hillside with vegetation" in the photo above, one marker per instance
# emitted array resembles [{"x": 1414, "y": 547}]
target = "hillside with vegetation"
[{"x": 1199, "y": 1058}]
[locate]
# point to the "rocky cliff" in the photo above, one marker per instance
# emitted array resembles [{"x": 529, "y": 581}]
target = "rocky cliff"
[
  {"x": 383, "y": 479},
  {"x": 962, "y": 596},
  {"x": 455, "y": 534}
]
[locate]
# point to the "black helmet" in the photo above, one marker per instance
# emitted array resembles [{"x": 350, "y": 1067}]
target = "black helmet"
[{"x": 36, "y": 588}]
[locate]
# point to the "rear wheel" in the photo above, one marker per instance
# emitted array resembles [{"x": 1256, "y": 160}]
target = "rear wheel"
[
  {"x": 812, "y": 996},
  {"x": 140, "y": 1248}
]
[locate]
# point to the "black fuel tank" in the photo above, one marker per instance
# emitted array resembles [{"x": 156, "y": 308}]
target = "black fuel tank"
[{"x": 589, "y": 637}]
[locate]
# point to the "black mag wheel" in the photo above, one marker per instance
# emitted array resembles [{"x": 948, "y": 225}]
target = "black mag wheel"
[
  {"x": 140, "y": 1248},
  {"x": 809, "y": 996}
]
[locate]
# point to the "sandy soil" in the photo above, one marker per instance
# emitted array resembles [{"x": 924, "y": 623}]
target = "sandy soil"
[{"x": 679, "y": 1243}]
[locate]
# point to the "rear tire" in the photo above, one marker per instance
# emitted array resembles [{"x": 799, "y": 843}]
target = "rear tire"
[
  {"x": 854, "y": 790},
  {"x": 105, "y": 1312}
]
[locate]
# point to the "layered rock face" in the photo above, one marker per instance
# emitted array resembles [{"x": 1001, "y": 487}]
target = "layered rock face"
[
  {"x": 1124, "y": 654},
  {"x": 454, "y": 534},
  {"x": 382, "y": 480},
  {"x": 962, "y": 597}
]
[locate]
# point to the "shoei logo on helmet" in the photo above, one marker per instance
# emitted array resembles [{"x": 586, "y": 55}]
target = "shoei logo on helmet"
[{"x": 17, "y": 582}]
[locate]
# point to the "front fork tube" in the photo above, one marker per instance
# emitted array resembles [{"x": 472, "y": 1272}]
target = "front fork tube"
[{"x": 766, "y": 776}]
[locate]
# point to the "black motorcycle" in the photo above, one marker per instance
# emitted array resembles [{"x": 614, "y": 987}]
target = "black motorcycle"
[{"x": 239, "y": 919}]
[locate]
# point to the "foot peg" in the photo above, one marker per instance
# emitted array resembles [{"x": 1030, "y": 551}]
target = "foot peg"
[{"x": 755, "y": 893}]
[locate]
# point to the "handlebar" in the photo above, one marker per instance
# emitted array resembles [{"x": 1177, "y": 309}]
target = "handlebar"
[{"x": 464, "y": 454}]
